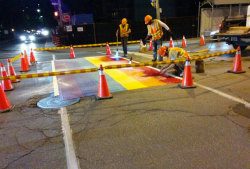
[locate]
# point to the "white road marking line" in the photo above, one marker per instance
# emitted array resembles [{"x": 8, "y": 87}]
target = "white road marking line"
[
  {"x": 225, "y": 95},
  {"x": 103, "y": 53},
  {"x": 72, "y": 162},
  {"x": 55, "y": 84}
]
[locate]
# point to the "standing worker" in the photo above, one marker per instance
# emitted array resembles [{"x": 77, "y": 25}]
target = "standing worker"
[
  {"x": 124, "y": 31},
  {"x": 155, "y": 31},
  {"x": 173, "y": 54}
]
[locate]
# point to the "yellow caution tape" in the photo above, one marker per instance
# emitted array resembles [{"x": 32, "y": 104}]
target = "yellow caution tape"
[
  {"x": 83, "y": 46},
  {"x": 15, "y": 58},
  {"x": 69, "y": 72}
]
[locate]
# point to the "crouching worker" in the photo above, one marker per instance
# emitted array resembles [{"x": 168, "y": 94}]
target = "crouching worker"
[{"x": 173, "y": 54}]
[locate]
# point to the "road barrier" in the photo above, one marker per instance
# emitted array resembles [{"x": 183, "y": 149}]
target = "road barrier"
[
  {"x": 69, "y": 72},
  {"x": 84, "y": 46}
]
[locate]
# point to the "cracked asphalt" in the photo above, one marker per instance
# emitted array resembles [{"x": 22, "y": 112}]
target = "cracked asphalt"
[{"x": 160, "y": 127}]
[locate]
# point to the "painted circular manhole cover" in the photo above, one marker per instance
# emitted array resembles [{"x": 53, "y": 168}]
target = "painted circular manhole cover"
[{"x": 53, "y": 102}]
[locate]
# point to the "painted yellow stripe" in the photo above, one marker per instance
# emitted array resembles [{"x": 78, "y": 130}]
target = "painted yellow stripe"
[{"x": 125, "y": 80}]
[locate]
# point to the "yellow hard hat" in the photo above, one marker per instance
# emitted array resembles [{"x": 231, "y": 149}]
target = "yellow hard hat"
[
  {"x": 124, "y": 21},
  {"x": 147, "y": 19}
]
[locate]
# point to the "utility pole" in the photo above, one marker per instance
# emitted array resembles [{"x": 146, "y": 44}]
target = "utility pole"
[
  {"x": 158, "y": 15},
  {"x": 60, "y": 13}
]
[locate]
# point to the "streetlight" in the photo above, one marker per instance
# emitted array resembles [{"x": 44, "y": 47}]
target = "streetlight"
[{"x": 38, "y": 10}]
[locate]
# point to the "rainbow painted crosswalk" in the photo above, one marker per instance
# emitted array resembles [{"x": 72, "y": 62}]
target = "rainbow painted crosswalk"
[{"x": 80, "y": 85}]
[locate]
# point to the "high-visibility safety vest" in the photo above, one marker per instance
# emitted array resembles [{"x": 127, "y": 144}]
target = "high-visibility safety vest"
[
  {"x": 123, "y": 29},
  {"x": 177, "y": 53},
  {"x": 156, "y": 31}
]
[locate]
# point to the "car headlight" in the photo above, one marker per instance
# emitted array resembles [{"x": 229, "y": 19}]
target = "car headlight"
[
  {"x": 45, "y": 32},
  {"x": 23, "y": 38},
  {"x": 31, "y": 37}
]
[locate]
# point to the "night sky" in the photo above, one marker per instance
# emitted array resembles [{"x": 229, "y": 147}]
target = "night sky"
[{"x": 23, "y": 13}]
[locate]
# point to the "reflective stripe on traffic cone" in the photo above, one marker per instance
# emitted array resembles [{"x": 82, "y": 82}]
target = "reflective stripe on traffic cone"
[
  {"x": 108, "y": 52},
  {"x": 6, "y": 84},
  {"x": 150, "y": 45},
  {"x": 184, "y": 43},
  {"x": 171, "y": 44},
  {"x": 237, "y": 68},
  {"x": 11, "y": 71},
  {"x": 187, "y": 81},
  {"x": 72, "y": 53},
  {"x": 4, "y": 102},
  {"x": 103, "y": 90},
  {"x": 24, "y": 66},
  {"x": 202, "y": 42},
  {"x": 32, "y": 57}
]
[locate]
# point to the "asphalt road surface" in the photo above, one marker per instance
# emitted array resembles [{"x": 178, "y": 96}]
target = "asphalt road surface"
[{"x": 161, "y": 127}]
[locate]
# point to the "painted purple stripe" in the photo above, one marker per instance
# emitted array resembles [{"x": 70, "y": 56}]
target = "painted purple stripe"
[{"x": 67, "y": 84}]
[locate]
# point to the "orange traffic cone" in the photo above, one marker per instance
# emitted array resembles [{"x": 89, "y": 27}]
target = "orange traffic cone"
[
  {"x": 4, "y": 102},
  {"x": 202, "y": 43},
  {"x": 237, "y": 63},
  {"x": 187, "y": 81},
  {"x": 72, "y": 53},
  {"x": 11, "y": 71},
  {"x": 184, "y": 42},
  {"x": 6, "y": 84},
  {"x": 150, "y": 45},
  {"x": 171, "y": 44},
  {"x": 32, "y": 57},
  {"x": 24, "y": 66},
  {"x": 103, "y": 89},
  {"x": 108, "y": 52},
  {"x": 26, "y": 58}
]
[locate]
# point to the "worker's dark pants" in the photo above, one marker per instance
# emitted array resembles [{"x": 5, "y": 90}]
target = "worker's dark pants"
[
  {"x": 156, "y": 44},
  {"x": 124, "y": 45},
  {"x": 179, "y": 68}
]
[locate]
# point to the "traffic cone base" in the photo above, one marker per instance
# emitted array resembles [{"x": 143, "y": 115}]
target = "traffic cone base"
[
  {"x": 186, "y": 87},
  {"x": 102, "y": 98},
  {"x": 230, "y": 71}
]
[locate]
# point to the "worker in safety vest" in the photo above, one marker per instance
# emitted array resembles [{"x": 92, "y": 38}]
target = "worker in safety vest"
[
  {"x": 155, "y": 32},
  {"x": 124, "y": 31},
  {"x": 173, "y": 54}
]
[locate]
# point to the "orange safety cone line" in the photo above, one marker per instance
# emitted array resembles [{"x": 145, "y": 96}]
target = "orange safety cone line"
[
  {"x": 150, "y": 45},
  {"x": 108, "y": 52},
  {"x": 6, "y": 84},
  {"x": 171, "y": 44},
  {"x": 202, "y": 42},
  {"x": 72, "y": 53},
  {"x": 26, "y": 58},
  {"x": 184, "y": 42},
  {"x": 103, "y": 90},
  {"x": 24, "y": 66},
  {"x": 4, "y": 102},
  {"x": 187, "y": 81},
  {"x": 11, "y": 71},
  {"x": 32, "y": 57},
  {"x": 237, "y": 68}
]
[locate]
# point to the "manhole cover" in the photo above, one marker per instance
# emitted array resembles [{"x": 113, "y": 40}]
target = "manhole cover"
[{"x": 53, "y": 102}]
